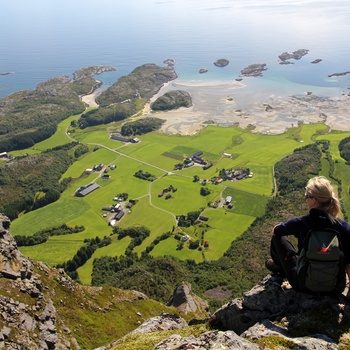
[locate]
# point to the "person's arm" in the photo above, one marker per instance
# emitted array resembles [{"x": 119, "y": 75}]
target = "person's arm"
[
  {"x": 347, "y": 269},
  {"x": 290, "y": 227},
  {"x": 273, "y": 230}
]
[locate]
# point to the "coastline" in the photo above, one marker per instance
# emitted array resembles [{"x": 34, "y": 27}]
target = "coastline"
[
  {"x": 227, "y": 103},
  {"x": 89, "y": 99},
  {"x": 223, "y": 103}
]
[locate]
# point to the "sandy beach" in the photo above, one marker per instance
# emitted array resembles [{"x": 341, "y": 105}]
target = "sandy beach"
[
  {"x": 89, "y": 99},
  {"x": 220, "y": 103},
  {"x": 223, "y": 103}
]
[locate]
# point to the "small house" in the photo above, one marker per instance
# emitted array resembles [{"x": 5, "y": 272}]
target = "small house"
[
  {"x": 85, "y": 190},
  {"x": 207, "y": 166},
  {"x": 119, "y": 215}
]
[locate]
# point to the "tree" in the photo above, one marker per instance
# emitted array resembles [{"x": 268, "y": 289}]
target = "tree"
[
  {"x": 194, "y": 244},
  {"x": 196, "y": 178},
  {"x": 204, "y": 191},
  {"x": 192, "y": 216}
]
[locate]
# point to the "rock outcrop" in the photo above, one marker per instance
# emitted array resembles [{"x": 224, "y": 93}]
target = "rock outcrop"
[
  {"x": 274, "y": 308},
  {"x": 271, "y": 315},
  {"x": 186, "y": 301},
  {"x": 338, "y": 74},
  {"x": 172, "y": 100},
  {"x": 29, "y": 325},
  {"x": 42, "y": 308},
  {"x": 91, "y": 71},
  {"x": 254, "y": 70},
  {"x": 207, "y": 341},
  {"x": 164, "y": 322},
  {"x": 222, "y": 62},
  {"x": 296, "y": 55}
]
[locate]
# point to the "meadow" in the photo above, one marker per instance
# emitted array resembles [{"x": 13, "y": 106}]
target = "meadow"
[{"x": 157, "y": 154}]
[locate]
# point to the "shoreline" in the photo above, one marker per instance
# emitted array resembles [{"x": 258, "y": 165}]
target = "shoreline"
[
  {"x": 227, "y": 103},
  {"x": 232, "y": 103}
]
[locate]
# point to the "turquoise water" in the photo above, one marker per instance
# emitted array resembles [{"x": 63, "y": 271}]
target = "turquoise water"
[{"x": 41, "y": 39}]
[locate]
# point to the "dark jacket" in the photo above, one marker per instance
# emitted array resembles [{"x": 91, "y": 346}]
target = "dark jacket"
[{"x": 299, "y": 227}]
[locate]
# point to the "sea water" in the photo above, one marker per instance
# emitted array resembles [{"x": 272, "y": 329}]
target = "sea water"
[{"x": 41, "y": 39}]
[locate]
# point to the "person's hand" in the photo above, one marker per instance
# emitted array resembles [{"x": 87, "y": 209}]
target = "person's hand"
[
  {"x": 273, "y": 230},
  {"x": 348, "y": 293}
]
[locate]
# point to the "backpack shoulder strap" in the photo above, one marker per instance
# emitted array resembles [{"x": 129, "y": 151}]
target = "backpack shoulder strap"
[
  {"x": 307, "y": 220},
  {"x": 309, "y": 223}
]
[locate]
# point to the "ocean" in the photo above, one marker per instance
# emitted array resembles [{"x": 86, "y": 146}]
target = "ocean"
[{"x": 41, "y": 39}]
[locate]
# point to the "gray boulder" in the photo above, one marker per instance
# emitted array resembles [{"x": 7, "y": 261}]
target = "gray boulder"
[
  {"x": 267, "y": 329},
  {"x": 186, "y": 301},
  {"x": 163, "y": 322},
  {"x": 207, "y": 341}
]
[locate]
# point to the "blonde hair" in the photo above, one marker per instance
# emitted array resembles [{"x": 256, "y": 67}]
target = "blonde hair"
[{"x": 321, "y": 189}]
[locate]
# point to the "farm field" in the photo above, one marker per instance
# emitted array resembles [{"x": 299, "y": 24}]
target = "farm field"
[{"x": 157, "y": 154}]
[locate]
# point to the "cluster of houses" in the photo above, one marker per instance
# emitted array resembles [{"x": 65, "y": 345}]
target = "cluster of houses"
[
  {"x": 196, "y": 158},
  {"x": 119, "y": 213},
  {"x": 227, "y": 202},
  {"x": 192, "y": 160},
  {"x": 99, "y": 167},
  {"x": 117, "y": 210},
  {"x": 239, "y": 174},
  {"x": 167, "y": 192},
  {"x": 232, "y": 175}
]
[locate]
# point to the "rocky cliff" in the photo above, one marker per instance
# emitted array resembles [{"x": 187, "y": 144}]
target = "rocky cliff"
[
  {"x": 269, "y": 316},
  {"x": 28, "y": 322},
  {"x": 42, "y": 308}
]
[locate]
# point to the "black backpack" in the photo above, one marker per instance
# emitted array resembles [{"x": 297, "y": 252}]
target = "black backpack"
[{"x": 321, "y": 265}]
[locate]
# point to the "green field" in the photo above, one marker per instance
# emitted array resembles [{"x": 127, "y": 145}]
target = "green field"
[{"x": 157, "y": 154}]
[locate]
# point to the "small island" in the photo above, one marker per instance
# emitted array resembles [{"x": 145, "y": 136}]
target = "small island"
[
  {"x": 203, "y": 70},
  {"x": 338, "y": 74},
  {"x": 6, "y": 73},
  {"x": 296, "y": 55},
  {"x": 222, "y": 62},
  {"x": 254, "y": 70},
  {"x": 169, "y": 62},
  {"x": 318, "y": 60}
]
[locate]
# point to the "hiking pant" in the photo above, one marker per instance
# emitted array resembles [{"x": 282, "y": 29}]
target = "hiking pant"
[{"x": 284, "y": 255}]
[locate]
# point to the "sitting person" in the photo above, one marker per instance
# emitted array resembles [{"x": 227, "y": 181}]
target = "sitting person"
[{"x": 324, "y": 213}]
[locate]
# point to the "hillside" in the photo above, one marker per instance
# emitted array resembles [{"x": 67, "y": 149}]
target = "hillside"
[
  {"x": 127, "y": 96},
  {"x": 30, "y": 116},
  {"x": 143, "y": 258},
  {"x": 42, "y": 308}
]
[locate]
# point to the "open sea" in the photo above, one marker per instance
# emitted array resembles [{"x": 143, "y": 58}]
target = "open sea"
[{"x": 41, "y": 39}]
